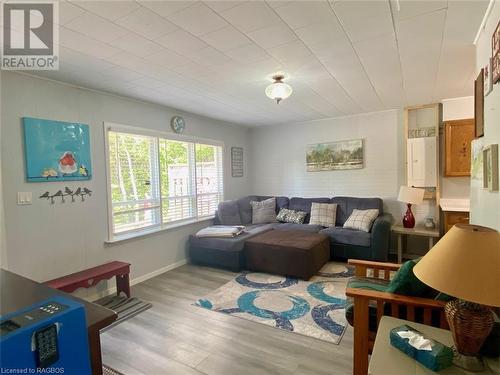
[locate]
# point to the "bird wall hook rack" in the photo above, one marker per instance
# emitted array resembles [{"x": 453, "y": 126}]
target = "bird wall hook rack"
[{"x": 79, "y": 192}]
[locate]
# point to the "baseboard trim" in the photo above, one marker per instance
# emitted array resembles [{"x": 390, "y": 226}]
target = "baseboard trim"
[{"x": 137, "y": 280}]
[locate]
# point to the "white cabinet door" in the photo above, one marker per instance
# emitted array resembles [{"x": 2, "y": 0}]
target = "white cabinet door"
[{"x": 421, "y": 158}]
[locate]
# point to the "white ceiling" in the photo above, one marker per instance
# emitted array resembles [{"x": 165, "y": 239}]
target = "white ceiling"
[{"x": 212, "y": 57}]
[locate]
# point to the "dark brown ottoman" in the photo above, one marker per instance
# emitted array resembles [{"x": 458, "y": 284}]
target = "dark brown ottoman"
[{"x": 290, "y": 253}]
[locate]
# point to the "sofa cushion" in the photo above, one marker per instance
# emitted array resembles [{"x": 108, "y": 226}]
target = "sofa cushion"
[
  {"x": 304, "y": 204},
  {"x": 229, "y": 213},
  {"x": 361, "y": 219},
  {"x": 345, "y": 206},
  {"x": 229, "y": 244},
  {"x": 348, "y": 236},
  {"x": 264, "y": 211},
  {"x": 323, "y": 214},
  {"x": 293, "y": 226}
]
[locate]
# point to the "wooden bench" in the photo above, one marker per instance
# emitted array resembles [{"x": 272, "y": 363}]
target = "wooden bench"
[{"x": 90, "y": 277}]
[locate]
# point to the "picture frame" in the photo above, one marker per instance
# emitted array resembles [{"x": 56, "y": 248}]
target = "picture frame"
[
  {"x": 56, "y": 151},
  {"x": 495, "y": 55},
  {"x": 479, "y": 104},
  {"x": 340, "y": 155},
  {"x": 488, "y": 79},
  {"x": 237, "y": 161},
  {"x": 490, "y": 167}
]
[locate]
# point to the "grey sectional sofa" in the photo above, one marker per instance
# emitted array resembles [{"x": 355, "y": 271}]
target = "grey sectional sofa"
[{"x": 344, "y": 243}]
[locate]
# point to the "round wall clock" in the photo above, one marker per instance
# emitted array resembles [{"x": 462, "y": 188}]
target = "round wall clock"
[{"x": 178, "y": 124}]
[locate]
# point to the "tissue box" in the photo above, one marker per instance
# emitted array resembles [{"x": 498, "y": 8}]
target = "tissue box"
[{"x": 436, "y": 359}]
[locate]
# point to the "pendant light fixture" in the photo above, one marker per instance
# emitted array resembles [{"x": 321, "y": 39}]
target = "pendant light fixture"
[{"x": 278, "y": 90}]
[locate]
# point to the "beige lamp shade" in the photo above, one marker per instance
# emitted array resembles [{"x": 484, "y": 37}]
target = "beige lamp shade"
[
  {"x": 411, "y": 195},
  {"x": 465, "y": 264}
]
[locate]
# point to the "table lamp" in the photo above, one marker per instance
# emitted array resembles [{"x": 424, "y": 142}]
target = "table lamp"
[
  {"x": 410, "y": 195},
  {"x": 465, "y": 264}
]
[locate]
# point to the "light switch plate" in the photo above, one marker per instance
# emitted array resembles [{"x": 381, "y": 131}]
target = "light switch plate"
[{"x": 24, "y": 197}]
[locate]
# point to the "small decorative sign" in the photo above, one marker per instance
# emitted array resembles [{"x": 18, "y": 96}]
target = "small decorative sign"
[
  {"x": 490, "y": 167},
  {"x": 237, "y": 161}
]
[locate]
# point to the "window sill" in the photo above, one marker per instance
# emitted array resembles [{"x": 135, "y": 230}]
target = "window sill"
[{"x": 130, "y": 236}]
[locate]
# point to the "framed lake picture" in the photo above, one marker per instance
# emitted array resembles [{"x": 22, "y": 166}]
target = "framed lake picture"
[
  {"x": 335, "y": 156},
  {"x": 56, "y": 150}
]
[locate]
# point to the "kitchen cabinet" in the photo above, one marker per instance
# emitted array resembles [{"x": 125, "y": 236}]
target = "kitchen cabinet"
[
  {"x": 421, "y": 158},
  {"x": 458, "y": 137},
  {"x": 454, "y": 217}
]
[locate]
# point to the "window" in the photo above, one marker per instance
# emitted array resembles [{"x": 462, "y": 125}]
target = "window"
[{"x": 156, "y": 182}]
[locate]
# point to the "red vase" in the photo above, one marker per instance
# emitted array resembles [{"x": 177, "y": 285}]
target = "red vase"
[{"x": 408, "y": 218}]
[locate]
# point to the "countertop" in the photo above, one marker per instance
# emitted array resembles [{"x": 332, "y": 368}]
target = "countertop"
[{"x": 460, "y": 205}]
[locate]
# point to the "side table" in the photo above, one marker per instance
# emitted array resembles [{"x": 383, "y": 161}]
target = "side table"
[
  {"x": 401, "y": 231},
  {"x": 387, "y": 360}
]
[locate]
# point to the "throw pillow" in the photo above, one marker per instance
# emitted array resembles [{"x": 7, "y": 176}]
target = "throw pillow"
[
  {"x": 323, "y": 214},
  {"x": 361, "y": 219},
  {"x": 264, "y": 212},
  {"x": 406, "y": 283},
  {"x": 290, "y": 216},
  {"x": 296, "y": 217},
  {"x": 281, "y": 217}
]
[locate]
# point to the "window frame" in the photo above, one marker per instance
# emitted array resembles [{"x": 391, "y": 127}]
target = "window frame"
[{"x": 134, "y": 130}]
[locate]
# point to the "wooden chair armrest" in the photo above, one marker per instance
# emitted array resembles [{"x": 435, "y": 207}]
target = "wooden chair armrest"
[
  {"x": 372, "y": 264},
  {"x": 374, "y": 295},
  {"x": 362, "y": 267}
]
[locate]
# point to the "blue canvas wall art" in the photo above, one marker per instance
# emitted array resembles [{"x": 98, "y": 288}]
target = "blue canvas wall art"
[{"x": 56, "y": 150}]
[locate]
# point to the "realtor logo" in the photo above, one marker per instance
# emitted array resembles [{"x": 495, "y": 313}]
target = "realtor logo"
[{"x": 30, "y": 36}]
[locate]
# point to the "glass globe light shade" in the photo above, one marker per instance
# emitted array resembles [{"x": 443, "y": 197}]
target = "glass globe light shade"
[{"x": 278, "y": 91}]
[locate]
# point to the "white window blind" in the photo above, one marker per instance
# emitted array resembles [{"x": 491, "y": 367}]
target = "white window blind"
[{"x": 156, "y": 182}]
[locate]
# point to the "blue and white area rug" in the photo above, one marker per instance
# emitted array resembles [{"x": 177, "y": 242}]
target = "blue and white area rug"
[{"x": 312, "y": 308}]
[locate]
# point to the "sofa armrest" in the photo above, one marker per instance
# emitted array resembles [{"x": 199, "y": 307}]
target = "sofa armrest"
[
  {"x": 380, "y": 237},
  {"x": 216, "y": 218}
]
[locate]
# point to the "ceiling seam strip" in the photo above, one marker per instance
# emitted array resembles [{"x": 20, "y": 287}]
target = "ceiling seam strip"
[
  {"x": 434, "y": 97},
  {"x": 321, "y": 63},
  {"x": 357, "y": 55},
  {"x": 399, "y": 54}
]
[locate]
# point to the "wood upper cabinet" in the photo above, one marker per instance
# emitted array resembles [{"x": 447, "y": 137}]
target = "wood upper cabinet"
[{"x": 458, "y": 137}]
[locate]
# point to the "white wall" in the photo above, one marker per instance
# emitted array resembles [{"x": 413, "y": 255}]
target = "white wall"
[
  {"x": 455, "y": 109},
  {"x": 3, "y": 247},
  {"x": 46, "y": 241},
  {"x": 485, "y": 205},
  {"x": 279, "y": 159}
]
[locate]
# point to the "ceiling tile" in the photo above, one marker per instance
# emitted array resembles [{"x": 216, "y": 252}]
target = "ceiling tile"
[
  {"x": 167, "y": 58},
  {"x": 413, "y": 8},
  {"x": 76, "y": 58},
  {"x": 71, "y": 39},
  {"x": 96, "y": 27},
  {"x": 251, "y": 16},
  {"x": 248, "y": 54},
  {"x": 303, "y": 13},
  {"x": 291, "y": 52},
  {"x": 68, "y": 12},
  {"x": 207, "y": 56},
  {"x": 273, "y": 36},
  {"x": 148, "y": 82},
  {"x": 220, "y": 6},
  {"x": 320, "y": 32},
  {"x": 364, "y": 19},
  {"x": 146, "y": 23},
  {"x": 198, "y": 19},
  {"x": 112, "y": 10},
  {"x": 166, "y": 8},
  {"x": 226, "y": 38},
  {"x": 135, "y": 44},
  {"x": 181, "y": 42}
]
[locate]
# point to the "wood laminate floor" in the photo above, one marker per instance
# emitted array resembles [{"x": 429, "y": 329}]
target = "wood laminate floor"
[{"x": 175, "y": 337}]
